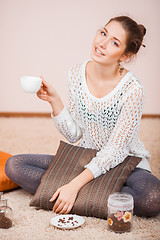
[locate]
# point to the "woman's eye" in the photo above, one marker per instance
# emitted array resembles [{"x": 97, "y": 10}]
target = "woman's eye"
[
  {"x": 114, "y": 43},
  {"x": 103, "y": 33}
]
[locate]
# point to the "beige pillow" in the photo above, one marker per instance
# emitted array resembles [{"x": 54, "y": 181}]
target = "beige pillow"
[{"x": 68, "y": 162}]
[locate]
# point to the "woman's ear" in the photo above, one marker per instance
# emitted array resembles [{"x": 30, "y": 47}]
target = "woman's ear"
[{"x": 126, "y": 57}]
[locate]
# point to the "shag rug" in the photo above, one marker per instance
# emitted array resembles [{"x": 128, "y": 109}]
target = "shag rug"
[{"x": 38, "y": 135}]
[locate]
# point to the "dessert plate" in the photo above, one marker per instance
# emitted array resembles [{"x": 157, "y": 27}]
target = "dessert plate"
[{"x": 68, "y": 221}]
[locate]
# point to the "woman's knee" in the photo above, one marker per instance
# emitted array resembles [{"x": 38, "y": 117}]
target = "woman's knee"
[
  {"x": 145, "y": 189},
  {"x": 147, "y": 204},
  {"x": 143, "y": 209},
  {"x": 11, "y": 167}
]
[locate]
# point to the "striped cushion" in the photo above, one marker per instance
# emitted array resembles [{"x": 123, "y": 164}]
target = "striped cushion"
[{"x": 68, "y": 162}]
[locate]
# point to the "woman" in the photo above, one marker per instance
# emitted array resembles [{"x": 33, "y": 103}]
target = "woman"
[{"x": 105, "y": 108}]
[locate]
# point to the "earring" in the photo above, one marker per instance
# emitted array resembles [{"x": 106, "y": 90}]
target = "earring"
[{"x": 121, "y": 68}]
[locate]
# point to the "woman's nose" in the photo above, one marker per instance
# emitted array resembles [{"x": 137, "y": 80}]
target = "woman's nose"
[{"x": 103, "y": 43}]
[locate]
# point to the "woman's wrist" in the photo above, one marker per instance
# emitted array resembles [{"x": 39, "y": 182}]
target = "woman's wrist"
[
  {"x": 82, "y": 179},
  {"x": 56, "y": 105}
]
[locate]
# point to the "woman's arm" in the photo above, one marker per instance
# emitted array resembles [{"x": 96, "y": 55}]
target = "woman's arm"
[
  {"x": 62, "y": 117},
  {"x": 66, "y": 122},
  {"x": 66, "y": 195}
]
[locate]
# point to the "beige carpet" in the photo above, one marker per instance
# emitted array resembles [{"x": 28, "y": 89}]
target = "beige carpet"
[{"x": 38, "y": 135}]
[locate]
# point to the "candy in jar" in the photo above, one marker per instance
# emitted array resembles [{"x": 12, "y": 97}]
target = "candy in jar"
[
  {"x": 5, "y": 214},
  {"x": 120, "y": 212}
]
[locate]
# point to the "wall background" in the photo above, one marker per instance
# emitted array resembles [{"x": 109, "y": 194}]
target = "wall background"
[{"x": 46, "y": 37}]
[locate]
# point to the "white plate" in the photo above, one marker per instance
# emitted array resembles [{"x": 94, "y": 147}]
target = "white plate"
[{"x": 68, "y": 221}]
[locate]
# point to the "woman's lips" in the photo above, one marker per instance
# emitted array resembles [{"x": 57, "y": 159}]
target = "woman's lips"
[{"x": 98, "y": 52}]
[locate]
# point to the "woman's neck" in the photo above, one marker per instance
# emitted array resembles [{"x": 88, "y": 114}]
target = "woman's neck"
[
  {"x": 102, "y": 79},
  {"x": 106, "y": 72}
]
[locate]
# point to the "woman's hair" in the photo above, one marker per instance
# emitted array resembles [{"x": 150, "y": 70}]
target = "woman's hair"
[{"x": 135, "y": 33}]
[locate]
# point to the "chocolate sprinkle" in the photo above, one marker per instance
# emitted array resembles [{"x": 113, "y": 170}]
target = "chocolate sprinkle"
[
  {"x": 119, "y": 226},
  {"x": 5, "y": 222}
]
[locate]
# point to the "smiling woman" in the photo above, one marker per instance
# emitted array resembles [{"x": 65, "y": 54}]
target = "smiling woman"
[{"x": 104, "y": 112}]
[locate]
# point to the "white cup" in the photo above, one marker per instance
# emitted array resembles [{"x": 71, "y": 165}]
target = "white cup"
[{"x": 30, "y": 84}]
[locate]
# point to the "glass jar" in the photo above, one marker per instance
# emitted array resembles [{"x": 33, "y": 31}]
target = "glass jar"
[
  {"x": 1, "y": 195},
  {"x": 120, "y": 212},
  {"x": 5, "y": 214}
]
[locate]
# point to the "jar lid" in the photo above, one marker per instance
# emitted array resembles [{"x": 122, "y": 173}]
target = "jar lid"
[{"x": 121, "y": 201}]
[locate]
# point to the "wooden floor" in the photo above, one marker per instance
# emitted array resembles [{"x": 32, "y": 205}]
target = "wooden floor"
[{"x": 38, "y": 114}]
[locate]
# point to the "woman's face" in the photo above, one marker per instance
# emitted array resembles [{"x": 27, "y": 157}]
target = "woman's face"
[{"x": 109, "y": 44}]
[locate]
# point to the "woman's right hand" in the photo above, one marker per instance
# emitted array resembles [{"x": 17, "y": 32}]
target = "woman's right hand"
[{"x": 47, "y": 92}]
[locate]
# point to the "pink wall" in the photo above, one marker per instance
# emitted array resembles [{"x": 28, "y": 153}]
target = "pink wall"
[{"x": 46, "y": 37}]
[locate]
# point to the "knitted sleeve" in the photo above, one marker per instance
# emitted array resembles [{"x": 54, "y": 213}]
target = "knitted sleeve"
[
  {"x": 66, "y": 121},
  {"x": 123, "y": 134}
]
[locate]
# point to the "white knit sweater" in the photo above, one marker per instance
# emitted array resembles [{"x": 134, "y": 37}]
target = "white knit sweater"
[{"x": 109, "y": 124}]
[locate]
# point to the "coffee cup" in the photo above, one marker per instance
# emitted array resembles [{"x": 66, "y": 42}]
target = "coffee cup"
[{"x": 30, "y": 84}]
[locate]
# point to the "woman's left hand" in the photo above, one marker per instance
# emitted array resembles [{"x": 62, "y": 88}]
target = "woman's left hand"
[{"x": 66, "y": 197}]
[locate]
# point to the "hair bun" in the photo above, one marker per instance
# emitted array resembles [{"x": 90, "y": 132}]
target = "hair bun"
[{"x": 142, "y": 28}]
